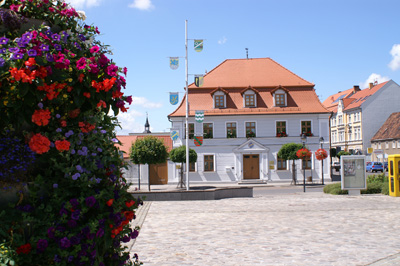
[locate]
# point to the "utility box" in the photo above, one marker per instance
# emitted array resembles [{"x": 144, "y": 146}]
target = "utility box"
[{"x": 394, "y": 175}]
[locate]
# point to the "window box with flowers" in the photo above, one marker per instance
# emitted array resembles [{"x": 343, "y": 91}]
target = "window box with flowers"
[
  {"x": 281, "y": 134},
  {"x": 250, "y": 134},
  {"x": 308, "y": 134},
  {"x": 231, "y": 134}
]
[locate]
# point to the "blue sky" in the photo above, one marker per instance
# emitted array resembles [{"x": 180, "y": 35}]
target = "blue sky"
[{"x": 334, "y": 44}]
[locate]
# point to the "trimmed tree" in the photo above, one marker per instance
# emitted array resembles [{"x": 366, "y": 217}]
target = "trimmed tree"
[
  {"x": 178, "y": 155},
  {"x": 342, "y": 153},
  {"x": 288, "y": 152},
  {"x": 148, "y": 150}
]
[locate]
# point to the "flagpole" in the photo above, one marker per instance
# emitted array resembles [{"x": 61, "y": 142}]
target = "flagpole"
[{"x": 187, "y": 109}]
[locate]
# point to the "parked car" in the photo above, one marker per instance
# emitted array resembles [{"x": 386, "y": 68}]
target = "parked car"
[
  {"x": 374, "y": 167},
  {"x": 336, "y": 166}
]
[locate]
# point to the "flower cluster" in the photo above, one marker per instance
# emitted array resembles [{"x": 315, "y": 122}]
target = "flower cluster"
[
  {"x": 303, "y": 153},
  {"x": 321, "y": 154},
  {"x": 308, "y": 134},
  {"x": 58, "y": 86}
]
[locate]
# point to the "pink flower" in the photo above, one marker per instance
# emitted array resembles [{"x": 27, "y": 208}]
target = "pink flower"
[
  {"x": 112, "y": 70},
  {"x": 94, "y": 49},
  {"x": 81, "y": 63}
]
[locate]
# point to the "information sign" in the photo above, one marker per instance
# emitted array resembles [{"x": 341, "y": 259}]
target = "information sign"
[{"x": 353, "y": 172}]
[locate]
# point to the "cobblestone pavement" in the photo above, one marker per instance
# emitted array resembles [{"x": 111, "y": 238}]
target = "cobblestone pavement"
[{"x": 293, "y": 229}]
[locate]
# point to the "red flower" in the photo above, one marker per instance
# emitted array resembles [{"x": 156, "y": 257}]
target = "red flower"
[
  {"x": 24, "y": 249},
  {"x": 303, "y": 153},
  {"x": 86, "y": 127},
  {"x": 129, "y": 215},
  {"x": 86, "y": 94},
  {"x": 129, "y": 203},
  {"x": 321, "y": 154},
  {"x": 110, "y": 202},
  {"x": 41, "y": 117},
  {"x": 39, "y": 143},
  {"x": 62, "y": 145},
  {"x": 74, "y": 113}
]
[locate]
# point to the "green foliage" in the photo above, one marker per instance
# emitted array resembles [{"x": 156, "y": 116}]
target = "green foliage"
[
  {"x": 178, "y": 155},
  {"x": 334, "y": 189},
  {"x": 333, "y": 152},
  {"x": 375, "y": 184},
  {"x": 288, "y": 151},
  {"x": 148, "y": 150},
  {"x": 342, "y": 153}
]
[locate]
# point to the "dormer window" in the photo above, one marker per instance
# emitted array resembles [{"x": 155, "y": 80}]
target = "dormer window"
[
  {"x": 219, "y": 97},
  {"x": 249, "y": 97},
  {"x": 280, "y": 96}
]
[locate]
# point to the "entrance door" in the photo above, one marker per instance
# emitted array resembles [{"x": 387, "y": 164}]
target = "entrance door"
[
  {"x": 251, "y": 166},
  {"x": 158, "y": 174}
]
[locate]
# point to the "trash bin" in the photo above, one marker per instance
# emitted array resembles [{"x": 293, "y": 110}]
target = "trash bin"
[{"x": 394, "y": 175}]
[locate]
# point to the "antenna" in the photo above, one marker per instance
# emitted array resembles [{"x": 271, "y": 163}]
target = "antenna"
[{"x": 247, "y": 53}]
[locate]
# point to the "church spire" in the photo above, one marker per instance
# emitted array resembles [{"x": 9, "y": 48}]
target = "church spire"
[{"x": 147, "y": 125}]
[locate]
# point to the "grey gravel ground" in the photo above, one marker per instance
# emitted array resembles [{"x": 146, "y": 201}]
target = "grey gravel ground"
[{"x": 289, "y": 229}]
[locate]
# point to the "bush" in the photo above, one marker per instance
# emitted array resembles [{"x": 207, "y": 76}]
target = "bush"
[
  {"x": 375, "y": 184},
  {"x": 335, "y": 189}
]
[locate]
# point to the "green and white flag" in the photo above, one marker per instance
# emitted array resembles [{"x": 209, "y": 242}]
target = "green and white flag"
[
  {"x": 199, "y": 116},
  {"x": 198, "y": 45}
]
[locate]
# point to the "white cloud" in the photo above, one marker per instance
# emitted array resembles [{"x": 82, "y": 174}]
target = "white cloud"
[
  {"x": 372, "y": 79},
  {"x": 84, "y": 3},
  {"x": 142, "y": 4},
  {"x": 222, "y": 40},
  {"x": 130, "y": 123},
  {"x": 395, "y": 52},
  {"x": 141, "y": 101}
]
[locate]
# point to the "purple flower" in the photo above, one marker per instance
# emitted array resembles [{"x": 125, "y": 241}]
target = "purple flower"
[
  {"x": 4, "y": 40},
  {"x": 103, "y": 131},
  {"x": 70, "y": 258},
  {"x": 56, "y": 37},
  {"x": 77, "y": 46},
  {"x": 126, "y": 239},
  {"x": 73, "y": 151},
  {"x": 42, "y": 244},
  {"x": 58, "y": 47},
  {"x": 99, "y": 150},
  {"x": 82, "y": 37},
  {"x": 2, "y": 62},
  {"x": 69, "y": 133},
  {"x": 27, "y": 36},
  {"x": 75, "y": 240},
  {"x": 76, "y": 176},
  {"x": 17, "y": 56},
  {"x": 58, "y": 130},
  {"x": 72, "y": 223},
  {"x": 50, "y": 232},
  {"x": 3, "y": 50},
  {"x": 74, "y": 203},
  {"x": 13, "y": 49},
  {"x": 79, "y": 168},
  {"x": 44, "y": 47},
  {"x": 55, "y": 185},
  {"x": 90, "y": 201},
  {"x": 100, "y": 233},
  {"x": 112, "y": 70},
  {"x": 49, "y": 57},
  {"x": 134, "y": 234},
  {"x": 40, "y": 105},
  {"x": 57, "y": 258},
  {"x": 32, "y": 52},
  {"x": 65, "y": 243},
  {"x": 58, "y": 116}
]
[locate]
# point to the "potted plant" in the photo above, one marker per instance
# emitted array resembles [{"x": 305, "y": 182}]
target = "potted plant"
[
  {"x": 231, "y": 134},
  {"x": 250, "y": 134},
  {"x": 281, "y": 134},
  {"x": 321, "y": 154}
]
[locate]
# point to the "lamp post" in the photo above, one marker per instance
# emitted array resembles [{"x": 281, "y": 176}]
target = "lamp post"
[
  {"x": 304, "y": 140},
  {"x": 321, "y": 141}
]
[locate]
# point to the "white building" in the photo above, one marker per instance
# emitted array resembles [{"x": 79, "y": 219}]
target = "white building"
[{"x": 251, "y": 108}]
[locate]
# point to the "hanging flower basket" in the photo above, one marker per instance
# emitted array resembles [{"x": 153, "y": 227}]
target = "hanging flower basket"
[
  {"x": 321, "y": 154},
  {"x": 303, "y": 153}
]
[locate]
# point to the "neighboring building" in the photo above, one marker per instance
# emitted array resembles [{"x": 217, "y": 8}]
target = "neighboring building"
[
  {"x": 158, "y": 173},
  {"x": 358, "y": 114},
  {"x": 387, "y": 140},
  {"x": 251, "y": 108}
]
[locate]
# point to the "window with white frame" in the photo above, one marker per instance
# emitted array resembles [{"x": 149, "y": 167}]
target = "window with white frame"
[
  {"x": 379, "y": 146},
  {"x": 341, "y": 136},
  {"x": 357, "y": 132},
  {"x": 398, "y": 144},
  {"x": 387, "y": 145},
  {"x": 249, "y": 99},
  {"x": 393, "y": 144},
  {"x": 231, "y": 130},
  {"x": 334, "y": 136},
  {"x": 340, "y": 118},
  {"x": 280, "y": 98},
  {"x": 374, "y": 145},
  {"x": 349, "y": 118},
  {"x": 350, "y": 135},
  {"x": 334, "y": 121},
  {"x": 281, "y": 164},
  {"x": 208, "y": 163},
  {"x": 219, "y": 101}
]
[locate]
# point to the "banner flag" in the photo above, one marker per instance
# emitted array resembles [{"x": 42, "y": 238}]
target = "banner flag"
[
  {"x": 198, "y": 80},
  {"x": 199, "y": 116},
  {"x": 173, "y": 97},
  {"x": 174, "y": 62},
  {"x": 198, "y": 140},
  {"x": 198, "y": 45},
  {"x": 174, "y": 135}
]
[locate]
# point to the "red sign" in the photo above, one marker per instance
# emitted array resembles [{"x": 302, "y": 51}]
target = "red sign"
[{"x": 198, "y": 140}]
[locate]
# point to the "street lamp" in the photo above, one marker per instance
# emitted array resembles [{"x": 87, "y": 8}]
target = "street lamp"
[
  {"x": 321, "y": 141},
  {"x": 304, "y": 140}
]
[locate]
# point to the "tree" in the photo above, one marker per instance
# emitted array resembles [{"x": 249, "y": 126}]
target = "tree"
[
  {"x": 148, "y": 150},
  {"x": 288, "y": 152},
  {"x": 342, "y": 153},
  {"x": 178, "y": 155}
]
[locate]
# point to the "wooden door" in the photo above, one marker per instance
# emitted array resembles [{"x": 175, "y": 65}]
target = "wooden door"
[
  {"x": 251, "y": 166},
  {"x": 158, "y": 174}
]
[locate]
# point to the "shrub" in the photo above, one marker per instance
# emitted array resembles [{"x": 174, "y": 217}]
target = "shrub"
[{"x": 334, "y": 189}]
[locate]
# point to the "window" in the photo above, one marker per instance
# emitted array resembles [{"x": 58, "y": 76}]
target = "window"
[
  {"x": 340, "y": 118},
  {"x": 379, "y": 145},
  {"x": 357, "y": 133},
  {"x": 333, "y": 123},
  {"x": 208, "y": 130},
  {"x": 350, "y": 135},
  {"x": 306, "y": 128},
  {"x": 349, "y": 119},
  {"x": 192, "y": 167},
  {"x": 334, "y": 135},
  {"x": 280, "y": 127},
  {"x": 281, "y": 164},
  {"x": 249, "y": 100},
  {"x": 387, "y": 145},
  {"x": 208, "y": 163},
  {"x": 280, "y": 99},
  {"x": 250, "y": 129},
  {"x": 219, "y": 101},
  {"x": 341, "y": 136},
  {"x": 398, "y": 144},
  {"x": 306, "y": 163},
  {"x": 231, "y": 130},
  {"x": 393, "y": 144},
  {"x": 191, "y": 130}
]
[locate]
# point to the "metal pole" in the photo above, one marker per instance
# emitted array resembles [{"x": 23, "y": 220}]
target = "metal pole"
[
  {"x": 304, "y": 171},
  {"x": 187, "y": 108},
  {"x": 322, "y": 164}
]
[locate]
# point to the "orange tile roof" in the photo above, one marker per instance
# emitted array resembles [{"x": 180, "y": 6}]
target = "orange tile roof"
[
  {"x": 127, "y": 141},
  {"x": 332, "y": 101},
  {"x": 360, "y": 96},
  {"x": 255, "y": 72},
  {"x": 262, "y": 75},
  {"x": 390, "y": 129}
]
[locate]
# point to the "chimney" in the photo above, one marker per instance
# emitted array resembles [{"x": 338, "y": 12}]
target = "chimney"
[
  {"x": 356, "y": 88},
  {"x": 371, "y": 85}
]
